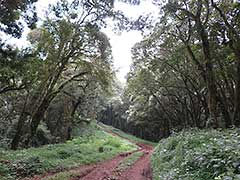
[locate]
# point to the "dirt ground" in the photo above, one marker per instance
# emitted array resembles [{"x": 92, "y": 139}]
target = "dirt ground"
[{"x": 107, "y": 170}]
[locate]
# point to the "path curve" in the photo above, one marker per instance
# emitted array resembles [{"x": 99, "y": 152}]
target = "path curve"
[
  {"x": 107, "y": 170},
  {"x": 140, "y": 170}
]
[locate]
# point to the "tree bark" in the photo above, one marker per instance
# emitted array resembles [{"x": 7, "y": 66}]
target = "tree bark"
[
  {"x": 236, "y": 115},
  {"x": 210, "y": 76},
  {"x": 19, "y": 130},
  {"x": 36, "y": 118}
]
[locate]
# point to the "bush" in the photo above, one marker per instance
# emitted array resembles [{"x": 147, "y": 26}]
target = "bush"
[
  {"x": 198, "y": 155},
  {"x": 26, "y": 167},
  {"x": 4, "y": 170},
  {"x": 113, "y": 142}
]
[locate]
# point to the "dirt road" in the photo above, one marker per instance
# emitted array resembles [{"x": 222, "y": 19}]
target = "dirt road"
[
  {"x": 107, "y": 170},
  {"x": 141, "y": 170}
]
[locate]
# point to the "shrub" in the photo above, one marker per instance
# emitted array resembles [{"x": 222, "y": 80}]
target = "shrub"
[
  {"x": 26, "y": 167},
  {"x": 4, "y": 170},
  {"x": 113, "y": 142},
  {"x": 198, "y": 155}
]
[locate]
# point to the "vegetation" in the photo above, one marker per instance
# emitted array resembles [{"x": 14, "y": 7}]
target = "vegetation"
[
  {"x": 91, "y": 146},
  {"x": 12, "y": 11},
  {"x": 68, "y": 62},
  {"x": 198, "y": 154},
  {"x": 63, "y": 175},
  {"x": 126, "y": 135},
  {"x": 185, "y": 72}
]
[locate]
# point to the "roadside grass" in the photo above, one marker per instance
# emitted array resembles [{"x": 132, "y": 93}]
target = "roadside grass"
[
  {"x": 198, "y": 155},
  {"x": 127, "y": 136},
  {"x": 129, "y": 161},
  {"x": 91, "y": 147},
  {"x": 63, "y": 175}
]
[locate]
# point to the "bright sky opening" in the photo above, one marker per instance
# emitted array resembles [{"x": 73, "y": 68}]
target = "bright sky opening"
[{"x": 121, "y": 43}]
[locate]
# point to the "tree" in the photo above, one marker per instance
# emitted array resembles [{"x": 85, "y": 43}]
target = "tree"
[
  {"x": 12, "y": 61},
  {"x": 184, "y": 72},
  {"x": 230, "y": 25},
  {"x": 12, "y": 11},
  {"x": 69, "y": 42}
]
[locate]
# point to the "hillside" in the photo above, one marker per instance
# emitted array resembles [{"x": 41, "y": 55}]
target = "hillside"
[
  {"x": 95, "y": 151},
  {"x": 93, "y": 145},
  {"x": 102, "y": 151}
]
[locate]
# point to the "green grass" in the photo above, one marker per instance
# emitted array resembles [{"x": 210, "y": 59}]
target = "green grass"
[
  {"x": 198, "y": 155},
  {"x": 93, "y": 146},
  {"x": 129, "y": 161},
  {"x": 127, "y": 136},
  {"x": 63, "y": 175}
]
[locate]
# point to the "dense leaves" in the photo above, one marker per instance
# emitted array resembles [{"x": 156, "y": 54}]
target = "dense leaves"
[
  {"x": 12, "y": 12},
  {"x": 68, "y": 62},
  {"x": 198, "y": 155},
  {"x": 185, "y": 73}
]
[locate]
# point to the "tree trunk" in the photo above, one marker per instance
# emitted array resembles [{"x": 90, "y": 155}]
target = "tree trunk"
[
  {"x": 210, "y": 76},
  {"x": 19, "y": 130},
  {"x": 236, "y": 115},
  {"x": 36, "y": 118},
  {"x": 234, "y": 45}
]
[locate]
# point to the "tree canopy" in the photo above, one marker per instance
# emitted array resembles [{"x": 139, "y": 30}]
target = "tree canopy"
[{"x": 185, "y": 71}]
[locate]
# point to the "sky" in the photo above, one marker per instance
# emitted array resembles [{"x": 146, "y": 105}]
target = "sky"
[{"x": 121, "y": 43}]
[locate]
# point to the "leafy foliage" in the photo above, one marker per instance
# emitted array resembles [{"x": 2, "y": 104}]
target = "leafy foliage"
[
  {"x": 12, "y": 12},
  {"x": 198, "y": 154},
  {"x": 185, "y": 72}
]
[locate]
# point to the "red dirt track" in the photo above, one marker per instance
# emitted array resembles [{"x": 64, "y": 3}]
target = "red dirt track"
[
  {"x": 106, "y": 170},
  {"x": 141, "y": 170}
]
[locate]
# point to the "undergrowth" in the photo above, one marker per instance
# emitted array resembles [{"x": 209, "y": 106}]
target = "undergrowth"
[
  {"x": 198, "y": 155},
  {"x": 91, "y": 147}
]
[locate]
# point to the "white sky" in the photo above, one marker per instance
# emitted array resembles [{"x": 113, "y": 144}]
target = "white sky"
[{"x": 121, "y": 43}]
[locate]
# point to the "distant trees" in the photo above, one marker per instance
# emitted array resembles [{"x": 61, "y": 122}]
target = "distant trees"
[{"x": 185, "y": 73}]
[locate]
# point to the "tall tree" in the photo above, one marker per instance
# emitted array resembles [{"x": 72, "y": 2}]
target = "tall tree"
[{"x": 67, "y": 39}]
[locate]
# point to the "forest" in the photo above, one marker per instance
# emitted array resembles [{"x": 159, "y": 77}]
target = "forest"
[
  {"x": 176, "y": 117},
  {"x": 185, "y": 73}
]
